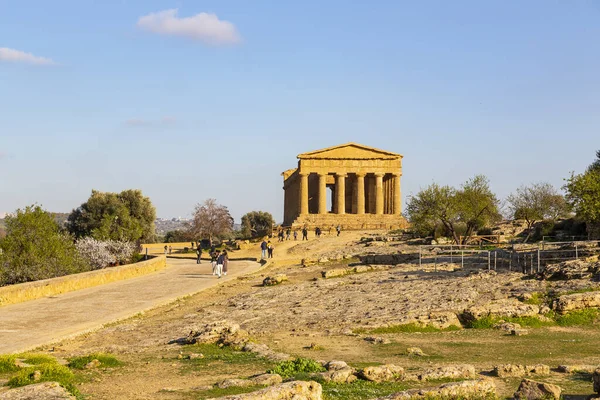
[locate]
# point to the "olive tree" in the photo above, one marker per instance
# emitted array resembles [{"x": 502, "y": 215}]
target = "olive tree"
[
  {"x": 125, "y": 216},
  {"x": 460, "y": 211},
  {"x": 537, "y": 202},
  {"x": 257, "y": 223},
  {"x": 35, "y": 248}
]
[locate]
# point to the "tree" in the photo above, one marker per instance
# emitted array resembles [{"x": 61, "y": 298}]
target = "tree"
[
  {"x": 125, "y": 216},
  {"x": 537, "y": 202},
  {"x": 595, "y": 166},
  {"x": 35, "y": 248},
  {"x": 257, "y": 224},
  {"x": 211, "y": 220},
  {"x": 463, "y": 210},
  {"x": 177, "y": 236},
  {"x": 583, "y": 194}
]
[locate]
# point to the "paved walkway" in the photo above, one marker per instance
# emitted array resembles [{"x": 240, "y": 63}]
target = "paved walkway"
[{"x": 34, "y": 323}]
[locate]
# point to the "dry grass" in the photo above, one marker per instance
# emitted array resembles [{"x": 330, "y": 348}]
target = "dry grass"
[{"x": 50, "y": 287}]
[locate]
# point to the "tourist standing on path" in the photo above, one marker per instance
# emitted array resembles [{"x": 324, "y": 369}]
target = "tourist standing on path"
[
  {"x": 304, "y": 233},
  {"x": 263, "y": 250},
  {"x": 225, "y": 262},
  {"x": 270, "y": 249},
  {"x": 287, "y": 234},
  {"x": 338, "y": 229},
  {"x": 166, "y": 249},
  {"x": 295, "y": 235},
  {"x": 199, "y": 253},
  {"x": 281, "y": 235},
  {"x": 213, "y": 261},
  {"x": 170, "y": 250},
  {"x": 220, "y": 259}
]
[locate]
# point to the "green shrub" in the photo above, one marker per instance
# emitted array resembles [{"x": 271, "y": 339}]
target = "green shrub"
[
  {"x": 7, "y": 363},
  {"x": 48, "y": 372},
  {"x": 106, "y": 360},
  {"x": 300, "y": 365},
  {"x": 412, "y": 328},
  {"x": 488, "y": 322},
  {"x": 35, "y": 248},
  {"x": 581, "y": 317}
]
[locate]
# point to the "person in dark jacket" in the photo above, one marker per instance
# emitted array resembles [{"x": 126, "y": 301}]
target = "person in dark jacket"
[
  {"x": 263, "y": 250},
  {"x": 198, "y": 253}
]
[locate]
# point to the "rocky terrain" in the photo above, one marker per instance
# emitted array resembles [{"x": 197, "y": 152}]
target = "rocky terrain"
[{"x": 393, "y": 331}]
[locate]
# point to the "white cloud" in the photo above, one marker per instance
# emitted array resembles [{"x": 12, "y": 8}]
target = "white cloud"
[
  {"x": 12, "y": 55},
  {"x": 205, "y": 27}
]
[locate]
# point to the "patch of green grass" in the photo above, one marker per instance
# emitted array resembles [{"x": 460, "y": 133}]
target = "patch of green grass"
[
  {"x": 48, "y": 373},
  {"x": 218, "y": 392},
  {"x": 488, "y": 322},
  {"x": 537, "y": 299},
  {"x": 106, "y": 360},
  {"x": 577, "y": 318},
  {"x": 220, "y": 359},
  {"x": 583, "y": 290},
  {"x": 7, "y": 363},
  {"x": 361, "y": 390},
  {"x": 300, "y": 365},
  {"x": 36, "y": 359},
  {"x": 407, "y": 328}
]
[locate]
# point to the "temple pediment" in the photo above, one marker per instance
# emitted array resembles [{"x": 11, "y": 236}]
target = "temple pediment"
[{"x": 350, "y": 151}]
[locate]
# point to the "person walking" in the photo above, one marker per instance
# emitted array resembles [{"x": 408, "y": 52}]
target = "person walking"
[
  {"x": 304, "y": 233},
  {"x": 166, "y": 249},
  {"x": 170, "y": 250},
  {"x": 198, "y": 253},
  {"x": 225, "y": 262},
  {"x": 287, "y": 234},
  {"x": 213, "y": 261},
  {"x": 295, "y": 235},
  {"x": 270, "y": 249},
  {"x": 263, "y": 250},
  {"x": 338, "y": 229},
  {"x": 220, "y": 259}
]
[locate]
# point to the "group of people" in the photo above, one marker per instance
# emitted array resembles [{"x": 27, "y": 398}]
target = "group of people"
[
  {"x": 266, "y": 250},
  {"x": 218, "y": 259},
  {"x": 283, "y": 235}
]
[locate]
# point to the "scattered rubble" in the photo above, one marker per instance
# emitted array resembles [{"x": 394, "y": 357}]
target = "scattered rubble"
[{"x": 531, "y": 390}]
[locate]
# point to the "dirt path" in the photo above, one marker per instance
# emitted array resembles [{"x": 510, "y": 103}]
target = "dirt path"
[{"x": 28, "y": 325}]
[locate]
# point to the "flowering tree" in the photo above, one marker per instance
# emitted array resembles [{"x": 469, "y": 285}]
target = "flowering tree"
[{"x": 101, "y": 254}]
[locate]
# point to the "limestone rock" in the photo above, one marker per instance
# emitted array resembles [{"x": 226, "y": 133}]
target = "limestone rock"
[
  {"x": 577, "y": 301},
  {"x": 274, "y": 280},
  {"x": 227, "y": 383},
  {"x": 507, "y": 326},
  {"x": 335, "y": 365},
  {"x": 93, "y": 364},
  {"x": 515, "y": 370},
  {"x": 572, "y": 369},
  {"x": 439, "y": 319},
  {"x": 344, "y": 375},
  {"x": 333, "y": 273},
  {"x": 296, "y": 390},
  {"x": 501, "y": 308},
  {"x": 462, "y": 371},
  {"x": 267, "y": 379},
  {"x": 472, "y": 389},
  {"x": 531, "y": 390},
  {"x": 572, "y": 269},
  {"x": 415, "y": 351},
  {"x": 382, "y": 373},
  {"x": 39, "y": 391},
  {"x": 519, "y": 332},
  {"x": 214, "y": 332}
]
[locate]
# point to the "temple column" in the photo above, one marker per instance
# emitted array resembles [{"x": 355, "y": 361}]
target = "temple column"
[
  {"x": 379, "y": 193},
  {"x": 360, "y": 193},
  {"x": 340, "y": 191},
  {"x": 303, "y": 194},
  {"x": 322, "y": 193},
  {"x": 397, "y": 195}
]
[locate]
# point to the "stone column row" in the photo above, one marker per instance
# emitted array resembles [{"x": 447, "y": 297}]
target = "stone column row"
[{"x": 340, "y": 198}]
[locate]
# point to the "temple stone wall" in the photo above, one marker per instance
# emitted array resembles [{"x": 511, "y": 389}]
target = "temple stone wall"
[{"x": 363, "y": 184}]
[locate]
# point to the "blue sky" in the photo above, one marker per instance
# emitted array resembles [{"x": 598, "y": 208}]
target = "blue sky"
[{"x": 216, "y": 99}]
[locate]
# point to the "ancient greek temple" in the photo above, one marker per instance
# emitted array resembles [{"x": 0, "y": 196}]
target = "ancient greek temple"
[{"x": 355, "y": 186}]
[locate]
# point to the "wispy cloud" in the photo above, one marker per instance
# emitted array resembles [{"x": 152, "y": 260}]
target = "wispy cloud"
[
  {"x": 140, "y": 122},
  {"x": 205, "y": 27},
  {"x": 12, "y": 55}
]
